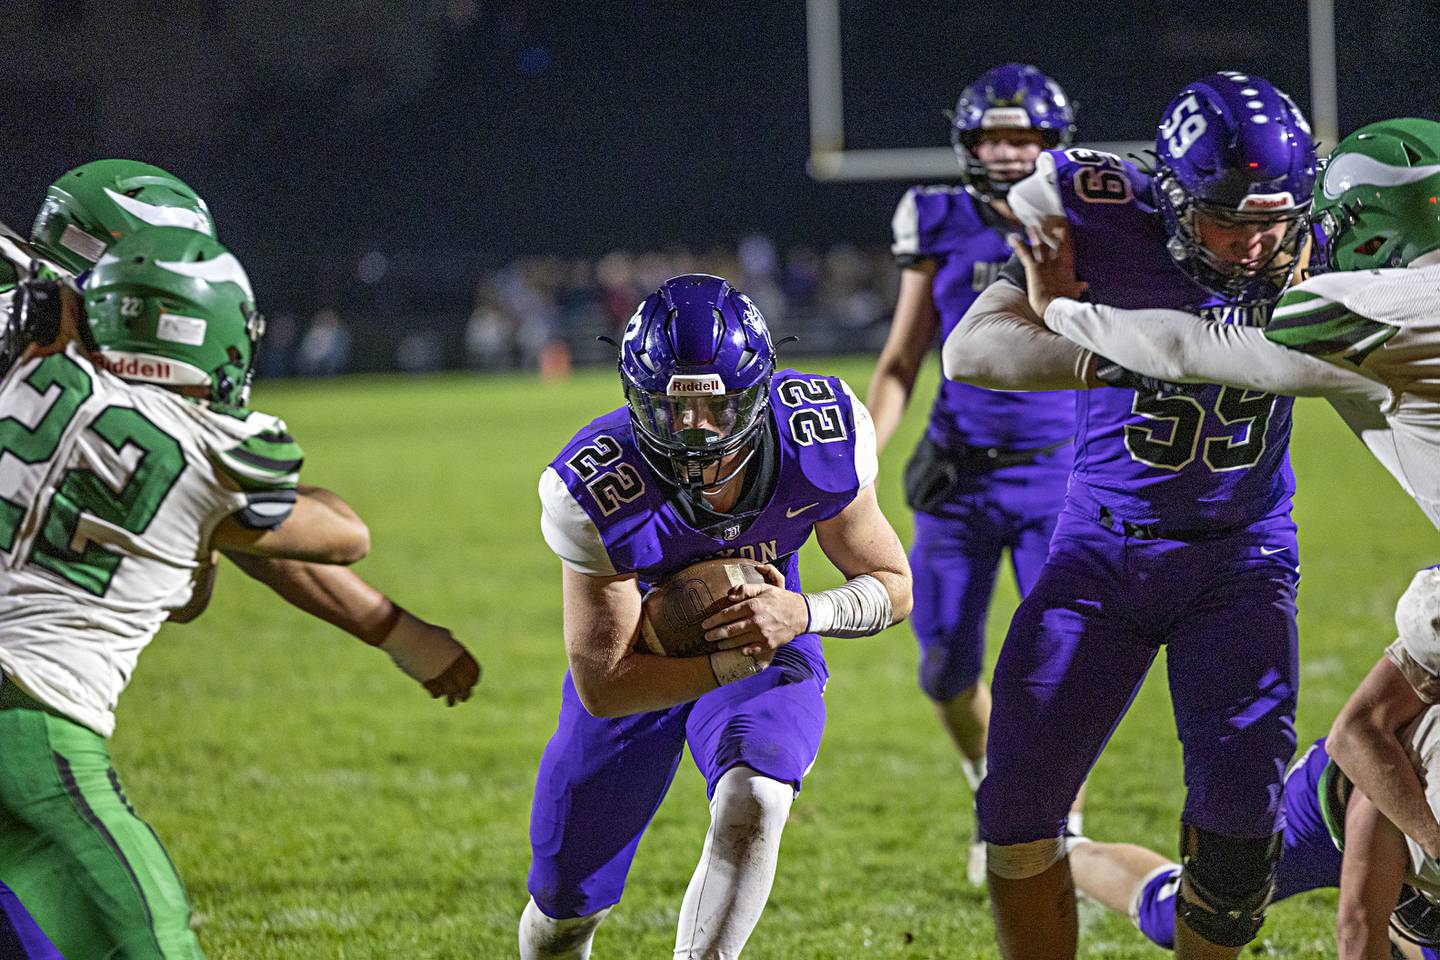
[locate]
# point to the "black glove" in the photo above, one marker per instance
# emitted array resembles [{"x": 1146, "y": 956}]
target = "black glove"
[
  {"x": 34, "y": 317},
  {"x": 1111, "y": 373}
]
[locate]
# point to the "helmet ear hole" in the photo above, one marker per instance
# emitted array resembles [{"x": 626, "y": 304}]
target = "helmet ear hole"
[{"x": 1370, "y": 247}]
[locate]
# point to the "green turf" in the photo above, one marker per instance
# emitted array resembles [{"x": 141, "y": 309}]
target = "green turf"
[{"x": 319, "y": 805}]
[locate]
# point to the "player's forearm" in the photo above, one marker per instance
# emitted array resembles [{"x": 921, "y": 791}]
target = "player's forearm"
[
  {"x": 639, "y": 683},
  {"x": 335, "y": 594},
  {"x": 886, "y": 399},
  {"x": 1181, "y": 347},
  {"x": 1000, "y": 345},
  {"x": 1378, "y": 766}
]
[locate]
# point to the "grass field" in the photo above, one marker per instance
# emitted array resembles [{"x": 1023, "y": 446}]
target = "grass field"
[{"x": 320, "y": 806}]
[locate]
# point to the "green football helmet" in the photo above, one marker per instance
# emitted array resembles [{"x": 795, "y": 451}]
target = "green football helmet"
[
  {"x": 1377, "y": 202},
  {"x": 172, "y": 306},
  {"x": 96, "y": 204}
]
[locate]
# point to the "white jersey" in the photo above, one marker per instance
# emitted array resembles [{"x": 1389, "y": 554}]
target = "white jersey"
[{"x": 109, "y": 492}]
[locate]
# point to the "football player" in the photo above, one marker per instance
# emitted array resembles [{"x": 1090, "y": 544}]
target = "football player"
[
  {"x": 124, "y": 470},
  {"x": 1176, "y": 528},
  {"x": 714, "y": 453},
  {"x": 1365, "y": 336},
  {"x": 91, "y": 207},
  {"x": 991, "y": 469},
  {"x": 1324, "y": 815}
]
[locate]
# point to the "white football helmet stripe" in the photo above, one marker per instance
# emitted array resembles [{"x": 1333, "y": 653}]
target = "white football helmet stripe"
[
  {"x": 223, "y": 269},
  {"x": 1355, "y": 169},
  {"x": 158, "y": 216}
]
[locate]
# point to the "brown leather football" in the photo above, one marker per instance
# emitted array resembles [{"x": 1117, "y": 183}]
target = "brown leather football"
[{"x": 671, "y": 614}]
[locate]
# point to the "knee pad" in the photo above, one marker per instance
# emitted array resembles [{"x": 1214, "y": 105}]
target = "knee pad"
[
  {"x": 1226, "y": 884},
  {"x": 1020, "y": 861},
  {"x": 745, "y": 797},
  {"x": 543, "y": 937}
]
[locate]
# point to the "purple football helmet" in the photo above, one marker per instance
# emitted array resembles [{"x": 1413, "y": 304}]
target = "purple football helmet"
[
  {"x": 1237, "y": 150},
  {"x": 695, "y": 362},
  {"x": 1008, "y": 97}
]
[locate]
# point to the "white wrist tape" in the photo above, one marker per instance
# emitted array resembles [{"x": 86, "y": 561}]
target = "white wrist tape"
[
  {"x": 422, "y": 650},
  {"x": 856, "y": 608},
  {"x": 731, "y": 665}
]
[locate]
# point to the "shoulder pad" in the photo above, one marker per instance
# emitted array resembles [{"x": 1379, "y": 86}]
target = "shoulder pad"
[
  {"x": 268, "y": 459},
  {"x": 932, "y": 221}
]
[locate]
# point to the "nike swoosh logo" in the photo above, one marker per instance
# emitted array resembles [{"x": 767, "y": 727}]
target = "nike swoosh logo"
[
  {"x": 792, "y": 512},
  {"x": 1271, "y": 551}
]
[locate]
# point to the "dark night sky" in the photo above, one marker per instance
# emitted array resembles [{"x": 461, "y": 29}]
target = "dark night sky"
[{"x": 453, "y": 134}]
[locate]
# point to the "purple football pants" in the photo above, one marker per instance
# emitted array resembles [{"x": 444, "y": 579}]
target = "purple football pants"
[
  {"x": 20, "y": 936},
  {"x": 1083, "y": 639},
  {"x": 955, "y": 559},
  {"x": 602, "y": 779}
]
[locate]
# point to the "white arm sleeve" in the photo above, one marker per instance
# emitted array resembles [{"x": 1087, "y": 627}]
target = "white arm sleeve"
[
  {"x": 867, "y": 462},
  {"x": 1180, "y": 347},
  {"x": 1037, "y": 197},
  {"x": 997, "y": 345},
  {"x": 569, "y": 530}
]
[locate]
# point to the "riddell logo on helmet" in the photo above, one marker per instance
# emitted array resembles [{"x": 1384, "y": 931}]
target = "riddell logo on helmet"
[
  {"x": 1003, "y": 117},
  {"x": 1268, "y": 201},
  {"x": 695, "y": 385},
  {"x": 134, "y": 367}
]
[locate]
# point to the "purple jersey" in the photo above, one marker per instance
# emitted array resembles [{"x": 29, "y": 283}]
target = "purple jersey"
[
  {"x": 1210, "y": 458},
  {"x": 645, "y": 531},
  {"x": 967, "y": 242}
]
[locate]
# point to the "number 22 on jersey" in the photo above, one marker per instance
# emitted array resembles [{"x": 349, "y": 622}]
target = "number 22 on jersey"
[{"x": 129, "y": 503}]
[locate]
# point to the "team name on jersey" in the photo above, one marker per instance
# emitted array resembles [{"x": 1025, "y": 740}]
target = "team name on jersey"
[
  {"x": 1244, "y": 315},
  {"x": 763, "y": 552}
]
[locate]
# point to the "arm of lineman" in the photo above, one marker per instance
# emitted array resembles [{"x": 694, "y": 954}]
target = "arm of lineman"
[
  {"x": 1174, "y": 345},
  {"x": 1001, "y": 344},
  {"x": 1365, "y": 743},
  {"x": 1371, "y": 874},
  {"x": 427, "y": 653},
  {"x": 863, "y": 546},
  {"x": 911, "y": 333}
]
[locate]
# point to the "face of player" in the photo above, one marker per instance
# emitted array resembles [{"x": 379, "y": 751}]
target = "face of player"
[
  {"x": 1245, "y": 243},
  {"x": 1009, "y": 155}
]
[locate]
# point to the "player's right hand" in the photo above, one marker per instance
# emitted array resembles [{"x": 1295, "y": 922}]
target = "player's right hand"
[
  {"x": 759, "y": 618},
  {"x": 1049, "y": 261},
  {"x": 458, "y": 680}
]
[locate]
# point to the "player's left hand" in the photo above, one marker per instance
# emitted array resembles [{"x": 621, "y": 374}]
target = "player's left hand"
[
  {"x": 758, "y": 618},
  {"x": 1049, "y": 261}
]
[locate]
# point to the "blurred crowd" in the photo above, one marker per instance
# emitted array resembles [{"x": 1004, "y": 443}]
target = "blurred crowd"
[{"x": 544, "y": 312}]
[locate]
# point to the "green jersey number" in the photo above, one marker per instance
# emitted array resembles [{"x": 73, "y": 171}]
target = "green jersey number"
[{"x": 59, "y": 547}]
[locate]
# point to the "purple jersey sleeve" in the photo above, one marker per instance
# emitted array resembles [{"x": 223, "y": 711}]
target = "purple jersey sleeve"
[
  {"x": 948, "y": 226},
  {"x": 1208, "y": 459}
]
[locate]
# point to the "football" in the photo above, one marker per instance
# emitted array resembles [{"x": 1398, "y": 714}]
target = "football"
[{"x": 672, "y": 611}]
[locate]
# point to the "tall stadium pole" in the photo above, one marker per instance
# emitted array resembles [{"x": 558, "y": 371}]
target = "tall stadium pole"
[{"x": 1324, "y": 98}]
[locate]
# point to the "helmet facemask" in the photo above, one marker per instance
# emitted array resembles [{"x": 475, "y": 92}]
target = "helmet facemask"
[
  {"x": 1236, "y": 282},
  {"x": 689, "y": 436}
]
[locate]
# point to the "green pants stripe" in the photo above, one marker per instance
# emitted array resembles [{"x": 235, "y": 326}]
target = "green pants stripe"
[{"x": 92, "y": 873}]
